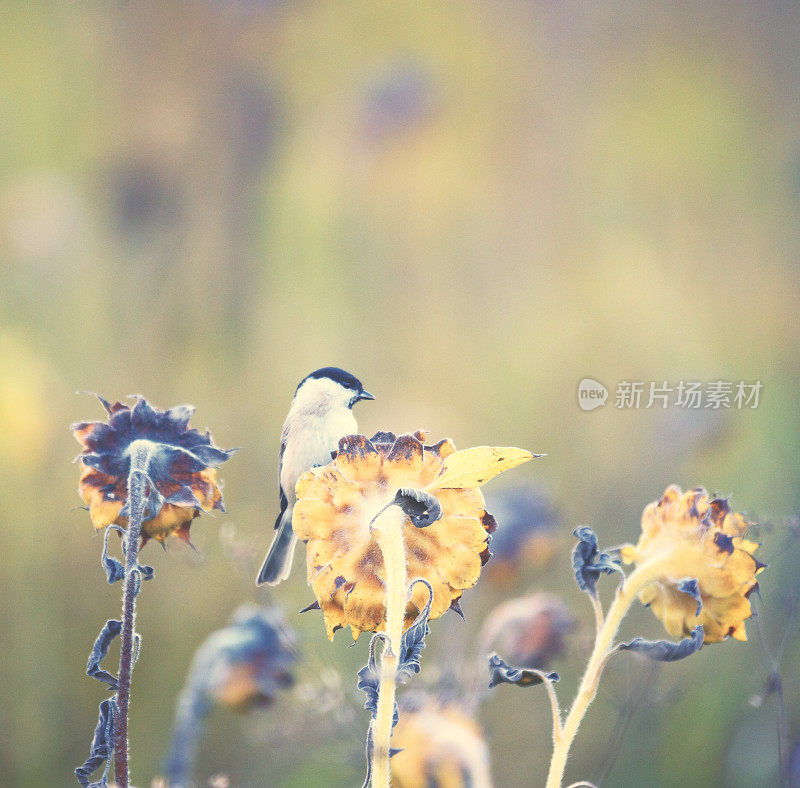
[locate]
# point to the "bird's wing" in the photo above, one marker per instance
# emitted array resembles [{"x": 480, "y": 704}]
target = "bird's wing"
[{"x": 281, "y": 494}]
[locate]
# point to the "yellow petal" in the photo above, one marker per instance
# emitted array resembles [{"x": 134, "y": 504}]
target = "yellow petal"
[
  {"x": 104, "y": 512},
  {"x": 746, "y": 545},
  {"x": 460, "y": 567},
  {"x": 364, "y": 606},
  {"x": 442, "y": 595},
  {"x": 459, "y": 530},
  {"x": 357, "y": 459},
  {"x": 312, "y": 518},
  {"x": 464, "y": 502},
  {"x": 473, "y": 467},
  {"x": 628, "y": 553},
  {"x": 333, "y": 615},
  {"x": 168, "y": 521},
  {"x": 316, "y": 482},
  {"x": 405, "y": 463},
  {"x": 739, "y": 633}
]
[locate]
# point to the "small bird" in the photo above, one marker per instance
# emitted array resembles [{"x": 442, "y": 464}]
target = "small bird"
[{"x": 321, "y": 414}]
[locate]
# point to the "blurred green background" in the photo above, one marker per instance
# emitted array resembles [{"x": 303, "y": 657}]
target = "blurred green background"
[{"x": 471, "y": 206}]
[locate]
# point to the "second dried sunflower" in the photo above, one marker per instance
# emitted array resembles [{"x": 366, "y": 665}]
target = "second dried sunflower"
[{"x": 694, "y": 536}]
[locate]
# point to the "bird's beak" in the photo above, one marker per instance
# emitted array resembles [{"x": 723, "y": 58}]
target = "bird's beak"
[{"x": 365, "y": 395}]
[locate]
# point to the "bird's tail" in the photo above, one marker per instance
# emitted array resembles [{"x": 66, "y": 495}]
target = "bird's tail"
[{"x": 278, "y": 563}]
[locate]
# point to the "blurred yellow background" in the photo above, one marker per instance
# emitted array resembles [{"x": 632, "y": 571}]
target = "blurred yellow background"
[{"x": 471, "y": 206}]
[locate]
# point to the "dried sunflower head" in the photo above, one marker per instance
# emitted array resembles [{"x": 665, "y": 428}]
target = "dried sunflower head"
[
  {"x": 439, "y": 744},
  {"x": 696, "y": 537},
  {"x": 336, "y": 504},
  {"x": 181, "y": 468}
]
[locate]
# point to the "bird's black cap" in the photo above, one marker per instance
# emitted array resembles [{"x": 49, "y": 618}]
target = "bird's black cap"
[{"x": 341, "y": 377}]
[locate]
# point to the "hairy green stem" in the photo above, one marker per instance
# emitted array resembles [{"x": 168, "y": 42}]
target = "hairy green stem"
[
  {"x": 137, "y": 500},
  {"x": 388, "y": 530},
  {"x": 603, "y": 647}
]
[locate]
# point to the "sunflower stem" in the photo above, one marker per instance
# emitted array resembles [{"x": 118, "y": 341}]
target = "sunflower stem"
[
  {"x": 388, "y": 530},
  {"x": 598, "y": 613},
  {"x": 775, "y": 685},
  {"x": 179, "y": 763},
  {"x": 603, "y": 647},
  {"x": 137, "y": 500}
]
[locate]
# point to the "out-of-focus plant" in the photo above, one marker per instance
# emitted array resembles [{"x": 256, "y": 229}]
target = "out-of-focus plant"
[
  {"x": 694, "y": 568},
  {"x": 439, "y": 743},
  {"x": 529, "y": 631},
  {"x": 529, "y": 538},
  {"x": 241, "y": 667},
  {"x": 396, "y": 531},
  {"x": 216, "y": 781},
  {"x": 793, "y": 766},
  {"x": 146, "y": 475},
  {"x": 774, "y": 645},
  {"x": 24, "y": 423}
]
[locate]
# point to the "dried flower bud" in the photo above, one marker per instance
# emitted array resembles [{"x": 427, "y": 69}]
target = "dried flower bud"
[
  {"x": 529, "y": 536},
  {"x": 246, "y": 663},
  {"x": 241, "y": 666},
  {"x": 528, "y": 632},
  {"x": 439, "y": 744}
]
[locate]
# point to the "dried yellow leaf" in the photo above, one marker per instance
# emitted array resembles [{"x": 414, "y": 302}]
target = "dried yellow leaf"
[{"x": 474, "y": 467}]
